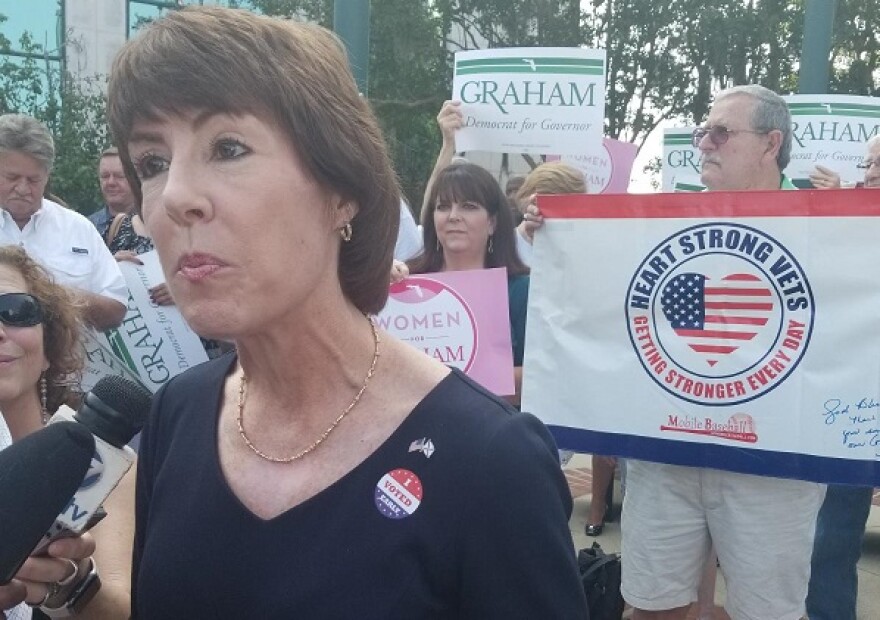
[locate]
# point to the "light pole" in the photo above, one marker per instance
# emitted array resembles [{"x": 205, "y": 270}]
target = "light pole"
[
  {"x": 818, "y": 24},
  {"x": 351, "y": 21}
]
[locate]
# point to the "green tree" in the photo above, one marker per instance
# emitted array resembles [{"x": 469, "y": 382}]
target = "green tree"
[
  {"x": 855, "y": 54},
  {"x": 25, "y": 83},
  {"x": 412, "y": 43},
  {"x": 470, "y": 24},
  {"x": 72, "y": 109},
  {"x": 409, "y": 77},
  {"x": 80, "y": 130},
  {"x": 665, "y": 60}
]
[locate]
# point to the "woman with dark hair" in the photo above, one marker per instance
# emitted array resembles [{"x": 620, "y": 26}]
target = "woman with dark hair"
[
  {"x": 41, "y": 357},
  {"x": 322, "y": 469},
  {"x": 469, "y": 226}
]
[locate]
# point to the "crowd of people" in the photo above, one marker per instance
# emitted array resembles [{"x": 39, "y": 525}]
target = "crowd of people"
[{"x": 291, "y": 476}]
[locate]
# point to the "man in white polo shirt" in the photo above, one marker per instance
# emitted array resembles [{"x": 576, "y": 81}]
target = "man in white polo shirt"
[{"x": 63, "y": 241}]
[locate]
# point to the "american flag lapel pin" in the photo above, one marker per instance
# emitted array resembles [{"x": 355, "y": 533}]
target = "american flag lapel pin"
[{"x": 423, "y": 445}]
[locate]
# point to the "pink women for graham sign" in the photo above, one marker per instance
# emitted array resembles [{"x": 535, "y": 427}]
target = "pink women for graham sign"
[{"x": 459, "y": 318}]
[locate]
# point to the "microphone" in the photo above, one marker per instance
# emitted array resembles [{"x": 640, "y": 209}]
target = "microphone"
[
  {"x": 38, "y": 475},
  {"x": 113, "y": 412}
]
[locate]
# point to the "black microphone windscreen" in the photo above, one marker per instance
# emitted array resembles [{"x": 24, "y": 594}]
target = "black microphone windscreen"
[
  {"x": 120, "y": 393},
  {"x": 38, "y": 476},
  {"x": 116, "y": 409}
]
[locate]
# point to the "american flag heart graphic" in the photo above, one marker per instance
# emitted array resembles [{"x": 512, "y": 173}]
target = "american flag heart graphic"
[{"x": 716, "y": 318}]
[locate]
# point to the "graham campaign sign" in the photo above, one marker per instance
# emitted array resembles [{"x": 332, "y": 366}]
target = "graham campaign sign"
[
  {"x": 154, "y": 341},
  {"x": 606, "y": 169},
  {"x": 681, "y": 161},
  {"x": 730, "y": 330},
  {"x": 530, "y": 100},
  {"x": 101, "y": 361},
  {"x": 459, "y": 318},
  {"x": 828, "y": 130}
]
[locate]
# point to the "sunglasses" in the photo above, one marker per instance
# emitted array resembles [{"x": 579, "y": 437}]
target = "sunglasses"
[
  {"x": 20, "y": 310},
  {"x": 718, "y": 134}
]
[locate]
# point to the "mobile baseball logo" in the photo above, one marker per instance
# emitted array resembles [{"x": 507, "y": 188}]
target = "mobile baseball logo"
[{"x": 719, "y": 314}]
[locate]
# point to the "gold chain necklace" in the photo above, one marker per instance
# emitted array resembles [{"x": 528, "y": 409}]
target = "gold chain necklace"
[{"x": 326, "y": 433}]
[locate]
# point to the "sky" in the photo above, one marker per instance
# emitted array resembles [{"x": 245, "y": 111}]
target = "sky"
[{"x": 36, "y": 16}]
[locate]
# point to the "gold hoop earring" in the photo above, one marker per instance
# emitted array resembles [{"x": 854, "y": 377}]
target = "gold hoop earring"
[{"x": 345, "y": 232}]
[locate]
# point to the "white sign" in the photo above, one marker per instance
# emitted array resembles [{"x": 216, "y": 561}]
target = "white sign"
[
  {"x": 530, "y": 100},
  {"x": 681, "y": 161},
  {"x": 101, "y": 361},
  {"x": 154, "y": 341},
  {"x": 828, "y": 130}
]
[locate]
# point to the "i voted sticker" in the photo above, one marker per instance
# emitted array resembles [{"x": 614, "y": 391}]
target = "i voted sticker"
[{"x": 398, "y": 494}]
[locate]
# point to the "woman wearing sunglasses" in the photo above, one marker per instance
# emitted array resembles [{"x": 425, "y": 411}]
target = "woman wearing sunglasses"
[{"x": 40, "y": 358}]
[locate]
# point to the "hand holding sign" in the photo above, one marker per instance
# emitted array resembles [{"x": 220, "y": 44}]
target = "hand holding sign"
[
  {"x": 824, "y": 178},
  {"x": 449, "y": 120}
]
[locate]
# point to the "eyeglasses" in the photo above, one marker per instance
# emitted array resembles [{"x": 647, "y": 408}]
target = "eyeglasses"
[
  {"x": 718, "y": 134},
  {"x": 20, "y": 310},
  {"x": 869, "y": 163},
  {"x": 106, "y": 176}
]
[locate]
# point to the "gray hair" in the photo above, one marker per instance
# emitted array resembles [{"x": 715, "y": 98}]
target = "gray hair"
[
  {"x": 24, "y": 134},
  {"x": 872, "y": 142},
  {"x": 771, "y": 113}
]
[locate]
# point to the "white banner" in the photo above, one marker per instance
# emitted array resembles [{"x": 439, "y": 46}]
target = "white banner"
[
  {"x": 530, "y": 100},
  {"x": 711, "y": 329}
]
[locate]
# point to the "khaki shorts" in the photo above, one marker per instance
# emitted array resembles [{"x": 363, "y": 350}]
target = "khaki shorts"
[{"x": 762, "y": 529}]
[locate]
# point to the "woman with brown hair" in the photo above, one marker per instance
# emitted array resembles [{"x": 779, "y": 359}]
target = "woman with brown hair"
[
  {"x": 322, "y": 469},
  {"x": 468, "y": 225},
  {"x": 41, "y": 356},
  {"x": 553, "y": 177}
]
